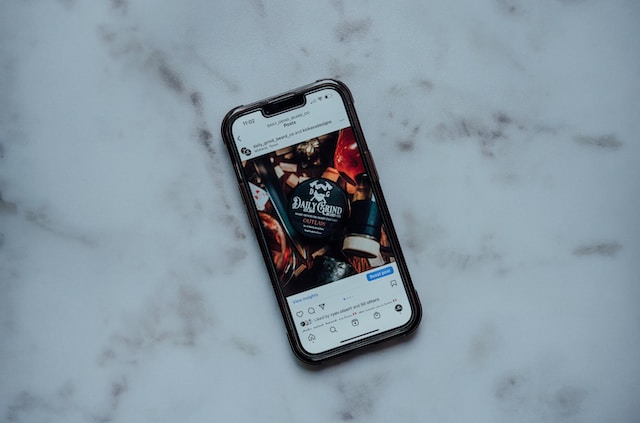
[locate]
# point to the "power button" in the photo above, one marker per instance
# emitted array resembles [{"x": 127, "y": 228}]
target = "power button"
[{"x": 372, "y": 167}]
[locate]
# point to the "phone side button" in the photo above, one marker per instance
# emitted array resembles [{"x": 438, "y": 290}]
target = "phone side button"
[
  {"x": 372, "y": 168},
  {"x": 247, "y": 206}
]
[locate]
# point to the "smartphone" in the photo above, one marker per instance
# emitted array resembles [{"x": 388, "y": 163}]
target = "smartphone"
[{"x": 313, "y": 197}]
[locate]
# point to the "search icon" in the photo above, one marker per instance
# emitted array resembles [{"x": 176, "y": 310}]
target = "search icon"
[{"x": 333, "y": 329}]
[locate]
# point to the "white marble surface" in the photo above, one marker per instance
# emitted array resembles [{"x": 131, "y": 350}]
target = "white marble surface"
[{"x": 506, "y": 136}]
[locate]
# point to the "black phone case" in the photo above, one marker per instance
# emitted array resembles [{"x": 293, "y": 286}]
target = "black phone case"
[{"x": 252, "y": 212}]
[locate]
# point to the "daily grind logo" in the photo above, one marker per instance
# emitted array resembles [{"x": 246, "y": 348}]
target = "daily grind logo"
[
  {"x": 317, "y": 208},
  {"x": 319, "y": 190}
]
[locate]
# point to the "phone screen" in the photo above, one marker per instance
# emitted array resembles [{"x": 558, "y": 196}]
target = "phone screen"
[{"x": 317, "y": 212}]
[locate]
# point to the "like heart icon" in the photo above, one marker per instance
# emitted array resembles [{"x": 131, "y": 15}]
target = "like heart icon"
[{"x": 299, "y": 314}]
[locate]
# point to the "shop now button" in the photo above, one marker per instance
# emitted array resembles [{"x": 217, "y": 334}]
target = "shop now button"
[{"x": 380, "y": 273}]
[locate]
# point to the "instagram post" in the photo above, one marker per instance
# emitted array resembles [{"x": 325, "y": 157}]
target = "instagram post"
[{"x": 317, "y": 211}]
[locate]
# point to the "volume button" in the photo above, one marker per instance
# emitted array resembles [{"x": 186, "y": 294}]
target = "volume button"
[{"x": 247, "y": 205}]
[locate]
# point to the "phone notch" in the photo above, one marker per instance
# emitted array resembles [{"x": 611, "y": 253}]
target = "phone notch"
[{"x": 283, "y": 104}]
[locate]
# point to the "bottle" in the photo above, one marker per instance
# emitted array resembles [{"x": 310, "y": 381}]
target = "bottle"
[
  {"x": 347, "y": 159},
  {"x": 364, "y": 227}
]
